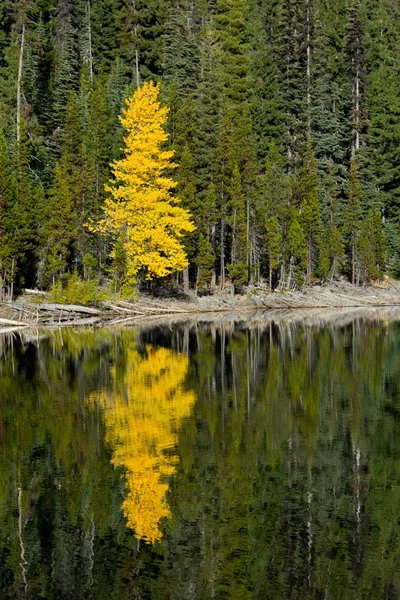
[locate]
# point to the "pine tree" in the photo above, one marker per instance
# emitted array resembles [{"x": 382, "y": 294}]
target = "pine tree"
[
  {"x": 206, "y": 224},
  {"x": 6, "y": 202},
  {"x": 295, "y": 93},
  {"x": 66, "y": 73},
  {"x": 306, "y": 197},
  {"x": 265, "y": 21},
  {"x": 372, "y": 246},
  {"x": 237, "y": 267},
  {"x": 21, "y": 216},
  {"x": 141, "y": 212},
  {"x": 180, "y": 57},
  {"x": 296, "y": 249},
  {"x": 60, "y": 228},
  {"x": 273, "y": 245},
  {"x": 141, "y": 27},
  {"x": 332, "y": 246},
  {"x": 79, "y": 169},
  {"x": 352, "y": 218},
  {"x": 234, "y": 65},
  {"x": 355, "y": 52},
  {"x": 207, "y": 111},
  {"x": 270, "y": 208}
]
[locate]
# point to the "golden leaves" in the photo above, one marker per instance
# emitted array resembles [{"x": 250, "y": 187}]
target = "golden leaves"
[
  {"x": 143, "y": 415},
  {"x": 141, "y": 211}
]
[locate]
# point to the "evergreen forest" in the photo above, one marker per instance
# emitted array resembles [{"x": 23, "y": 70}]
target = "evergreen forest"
[{"x": 283, "y": 119}]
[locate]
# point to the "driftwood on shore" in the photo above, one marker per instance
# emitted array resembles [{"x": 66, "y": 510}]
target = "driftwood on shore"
[{"x": 26, "y": 313}]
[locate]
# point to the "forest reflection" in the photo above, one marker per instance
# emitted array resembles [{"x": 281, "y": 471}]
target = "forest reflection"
[{"x": 255, "y": 461}]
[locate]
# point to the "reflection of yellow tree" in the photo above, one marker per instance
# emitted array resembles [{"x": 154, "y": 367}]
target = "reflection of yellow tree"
[{"x": 143, "y": 416}]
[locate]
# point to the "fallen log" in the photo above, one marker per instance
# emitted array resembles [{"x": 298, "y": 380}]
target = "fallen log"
[
  {"x": 12, "y": 329},
  {"x": 75, "y": 323},
  {"x": 77, "y": 308},
  {"x": 152, "y": 309},
  {"x": 13, "y": 323},
  {"x": 114, "y": 306},
  {"x": 35, "y": 292}
]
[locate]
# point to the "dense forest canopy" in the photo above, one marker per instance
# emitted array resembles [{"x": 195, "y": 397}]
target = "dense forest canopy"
[{"x": 284, "y": 116}]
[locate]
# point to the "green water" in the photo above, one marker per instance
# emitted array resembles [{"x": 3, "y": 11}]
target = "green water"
[{"x": 202, "y": 460}]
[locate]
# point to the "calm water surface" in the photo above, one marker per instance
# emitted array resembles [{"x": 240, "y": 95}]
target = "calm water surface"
[{"x": 199, "y": 461}]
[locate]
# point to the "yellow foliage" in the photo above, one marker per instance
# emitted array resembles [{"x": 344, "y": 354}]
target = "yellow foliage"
[
  {"x": 143, "y": 415},
  {"x": 141, "y": 210}
]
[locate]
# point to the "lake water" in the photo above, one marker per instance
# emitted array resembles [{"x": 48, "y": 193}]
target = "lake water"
[{"x": 254, "y": 460}]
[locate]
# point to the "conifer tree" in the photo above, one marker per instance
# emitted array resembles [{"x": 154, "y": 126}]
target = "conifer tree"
[
  {"x": 6, "y": 202},
  {"x": 372, "y": 246},
  {"x": 265, "y": 23},
  {"x": 332, "y": 243},
  {"x": 230, "y": 27},
  {"x": 352, "y": 218},
  {"x": 355, "y": 52},
  {"x": 66, "y": 74},
  {"x": 180, "y": 56},
  {"x": 60, "y": 228},
  {"x": 293, "y": 65},
  {"x": 273, "y": 242},
  {"x": 306, "y": 197},
  {"x": 237, "y": 267},
  {"x": 296, "y": 249},
  {"x": 270, "y": 210},
  {"x": 21, "y": 216},
  {"x": 207, "y": 221}
]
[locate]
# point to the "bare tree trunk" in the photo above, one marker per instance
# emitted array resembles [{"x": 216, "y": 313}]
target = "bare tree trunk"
[
  {"x": 19, "y": 82},
  {"x": 357, "y": 141},
  {"x": 248, "y": 242},
  {"x": 308, "y": 19},
  {"x": 12, "y": 280},
  {"x": 90, "y": 43},
  {"x": 23, "y": 562},
  {"x": 222, "y": 248},
  {"x": 186, "y": 279},
  {"x": 355, "y": 145},
  {"x": 137, "y": 61},
  {"x": 309, "y": 259}
]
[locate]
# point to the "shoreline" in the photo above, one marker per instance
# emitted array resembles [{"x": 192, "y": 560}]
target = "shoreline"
[{"x": 24, "y": 313}]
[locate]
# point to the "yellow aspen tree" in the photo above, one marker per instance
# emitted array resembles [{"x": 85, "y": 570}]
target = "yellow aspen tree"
[{"x": 141, "y": 212}]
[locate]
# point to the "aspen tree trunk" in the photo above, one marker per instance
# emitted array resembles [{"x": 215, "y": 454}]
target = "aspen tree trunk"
[
  {"x": 19, "y": 82},
  {"x": 186, "y": 279}
]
